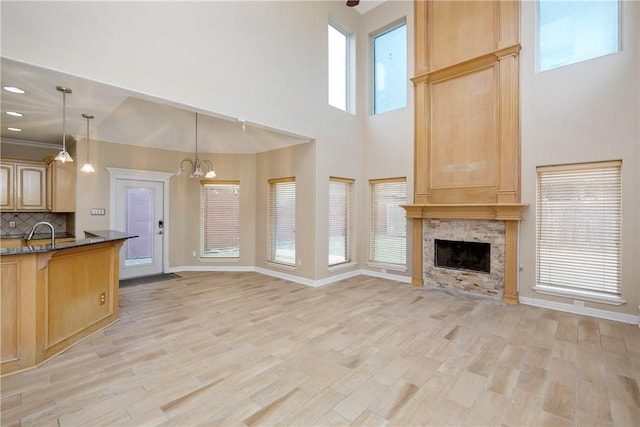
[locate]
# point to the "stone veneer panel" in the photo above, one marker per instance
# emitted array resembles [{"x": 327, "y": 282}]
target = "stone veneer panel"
[{"x": 481, "y": 231}]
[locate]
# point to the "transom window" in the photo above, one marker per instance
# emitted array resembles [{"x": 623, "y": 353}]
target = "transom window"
[
  {"x": 574, "y": 31},
  {"x": 338, "y": 42},
  {"x": 390, "y": 69}
]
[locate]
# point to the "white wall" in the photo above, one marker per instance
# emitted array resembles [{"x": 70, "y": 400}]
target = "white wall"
[{"x": 584, "y": 112}]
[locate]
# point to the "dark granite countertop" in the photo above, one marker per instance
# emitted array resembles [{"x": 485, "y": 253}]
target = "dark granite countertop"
[{"x": 92, "y": 237}]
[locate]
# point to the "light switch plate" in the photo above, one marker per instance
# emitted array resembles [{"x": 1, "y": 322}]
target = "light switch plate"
[{"x": 98, "y": 211}]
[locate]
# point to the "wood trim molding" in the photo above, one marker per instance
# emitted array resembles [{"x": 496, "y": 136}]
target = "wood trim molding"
[{"x": 467, "y": 66}]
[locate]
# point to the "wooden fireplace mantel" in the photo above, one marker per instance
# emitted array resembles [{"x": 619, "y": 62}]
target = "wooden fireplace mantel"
[
  {"x": 497, "y": 211},
  {"x": 510, "y": 213}
]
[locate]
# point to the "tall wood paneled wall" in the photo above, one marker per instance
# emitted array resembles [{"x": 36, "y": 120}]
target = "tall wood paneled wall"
[{"x": 467, "y": 135}]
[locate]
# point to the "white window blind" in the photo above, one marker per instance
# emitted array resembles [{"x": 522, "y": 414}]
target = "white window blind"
[
  {"x": 340, "y": 219},
  {"x": 578, "y": 228},
  {"x": 388, "y": 226},
  {"x": 281, "y": 234},
  {"x": 220, "y": 219}
]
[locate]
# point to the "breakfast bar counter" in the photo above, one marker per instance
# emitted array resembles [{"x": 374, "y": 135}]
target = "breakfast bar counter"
[{"x": 53, "y": 296}]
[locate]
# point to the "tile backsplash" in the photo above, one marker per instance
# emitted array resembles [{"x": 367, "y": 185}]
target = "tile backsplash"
[{"x": 62, "y": 222}]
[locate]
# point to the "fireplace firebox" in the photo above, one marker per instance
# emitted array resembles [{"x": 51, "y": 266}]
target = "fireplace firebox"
[{"x": 459, "y": 255}]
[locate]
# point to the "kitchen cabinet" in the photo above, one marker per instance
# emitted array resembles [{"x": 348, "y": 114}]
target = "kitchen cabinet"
[
  {"x": 52, "y": 298},
  {"x": 61, "y": 187},
  {"x": 28, "y": 185},
  {"x": 7, "y": 176},
  {"x": 23, "y": 185}
]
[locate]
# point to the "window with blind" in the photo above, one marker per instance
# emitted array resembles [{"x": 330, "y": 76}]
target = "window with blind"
[
  {"x": 220, "y": 219},
  {"x": 388, "y": 222},
  {"x": 340, "y": 220},
  {"x": 281, "y": 217},
  {"x": 578, "y": 230}
]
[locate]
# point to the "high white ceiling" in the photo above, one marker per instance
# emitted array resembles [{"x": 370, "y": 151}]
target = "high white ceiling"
[{"x": 122, "y": 116}]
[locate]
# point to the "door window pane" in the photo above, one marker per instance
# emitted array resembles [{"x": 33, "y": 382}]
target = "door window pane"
[{"x": 139, "y": 221}]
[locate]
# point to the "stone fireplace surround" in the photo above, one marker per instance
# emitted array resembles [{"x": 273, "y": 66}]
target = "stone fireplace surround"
[
  {"x": 507, "y": 213},
  {"x": 480, "y": 231}
]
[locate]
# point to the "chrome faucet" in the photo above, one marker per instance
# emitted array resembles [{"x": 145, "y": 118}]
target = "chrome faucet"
[{"x": 33, "y": 230}]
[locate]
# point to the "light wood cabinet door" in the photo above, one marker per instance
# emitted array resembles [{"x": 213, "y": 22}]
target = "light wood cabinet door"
[
  {"x": 7, "y": 175},
  {"x": 61, "y": 187},
  {"x": 31, "y": 187},
  {"x": 18, "y": 309}
]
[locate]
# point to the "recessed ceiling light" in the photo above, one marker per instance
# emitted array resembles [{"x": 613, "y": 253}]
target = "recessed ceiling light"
[
  {"x": 15, "y": 129},
  {"x": 15, "y": 113},
  {"x": 13, "y": 89}
]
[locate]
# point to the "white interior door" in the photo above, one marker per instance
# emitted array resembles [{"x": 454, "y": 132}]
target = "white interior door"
[{"x": 139, "y": 210}]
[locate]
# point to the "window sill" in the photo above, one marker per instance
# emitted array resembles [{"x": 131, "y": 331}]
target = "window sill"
[
  {"x": 342, "y": 266},
  {"x": 281, "y": 266},
  {"x": 387, "y": 266},
  {"x": 580, "y": 295},
  {"x": 219, "y": 259}
]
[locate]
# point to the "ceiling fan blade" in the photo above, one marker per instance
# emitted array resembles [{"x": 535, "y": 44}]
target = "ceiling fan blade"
[{"x": 352, "y": 3}]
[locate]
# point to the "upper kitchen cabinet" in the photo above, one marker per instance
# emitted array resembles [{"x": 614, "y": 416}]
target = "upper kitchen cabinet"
[
  {"x": 61, "y": 187},
  {"x": 28, "y": 185},
  {"x": 23, "y": 185},
  {"x": 7, "y": 192}
]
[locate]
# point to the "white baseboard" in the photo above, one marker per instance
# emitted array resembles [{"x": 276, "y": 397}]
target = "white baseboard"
[
  {"x": 209, "y": 268},
  {"x": 291, "y": 277},
  {"x": 388, "y": 276},
  {"x": 586, "y": 311}
]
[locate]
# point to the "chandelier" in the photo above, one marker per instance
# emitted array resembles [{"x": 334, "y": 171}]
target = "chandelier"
[{"x": 196, "y": 165}]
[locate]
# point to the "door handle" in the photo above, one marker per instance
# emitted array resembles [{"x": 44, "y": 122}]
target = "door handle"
[{"x": 160, "y": 232}]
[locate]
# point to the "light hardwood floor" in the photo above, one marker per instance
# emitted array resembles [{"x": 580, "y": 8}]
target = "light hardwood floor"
[{"x": 246, "y": 349}]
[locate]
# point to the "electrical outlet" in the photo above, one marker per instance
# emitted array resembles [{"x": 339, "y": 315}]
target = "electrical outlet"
[
  {"x": 103, "y": 298},
  {"x": 194, "y": 253},
  {"x": 12, "y": 224},
  {"x": 98, "y": 211}
]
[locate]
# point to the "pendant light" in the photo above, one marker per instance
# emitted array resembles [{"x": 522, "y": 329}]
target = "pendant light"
[
  {"x": 87, "y": 167},
  {"x": 196, "y": 165},
  {"x": 63, "y": 156}
]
